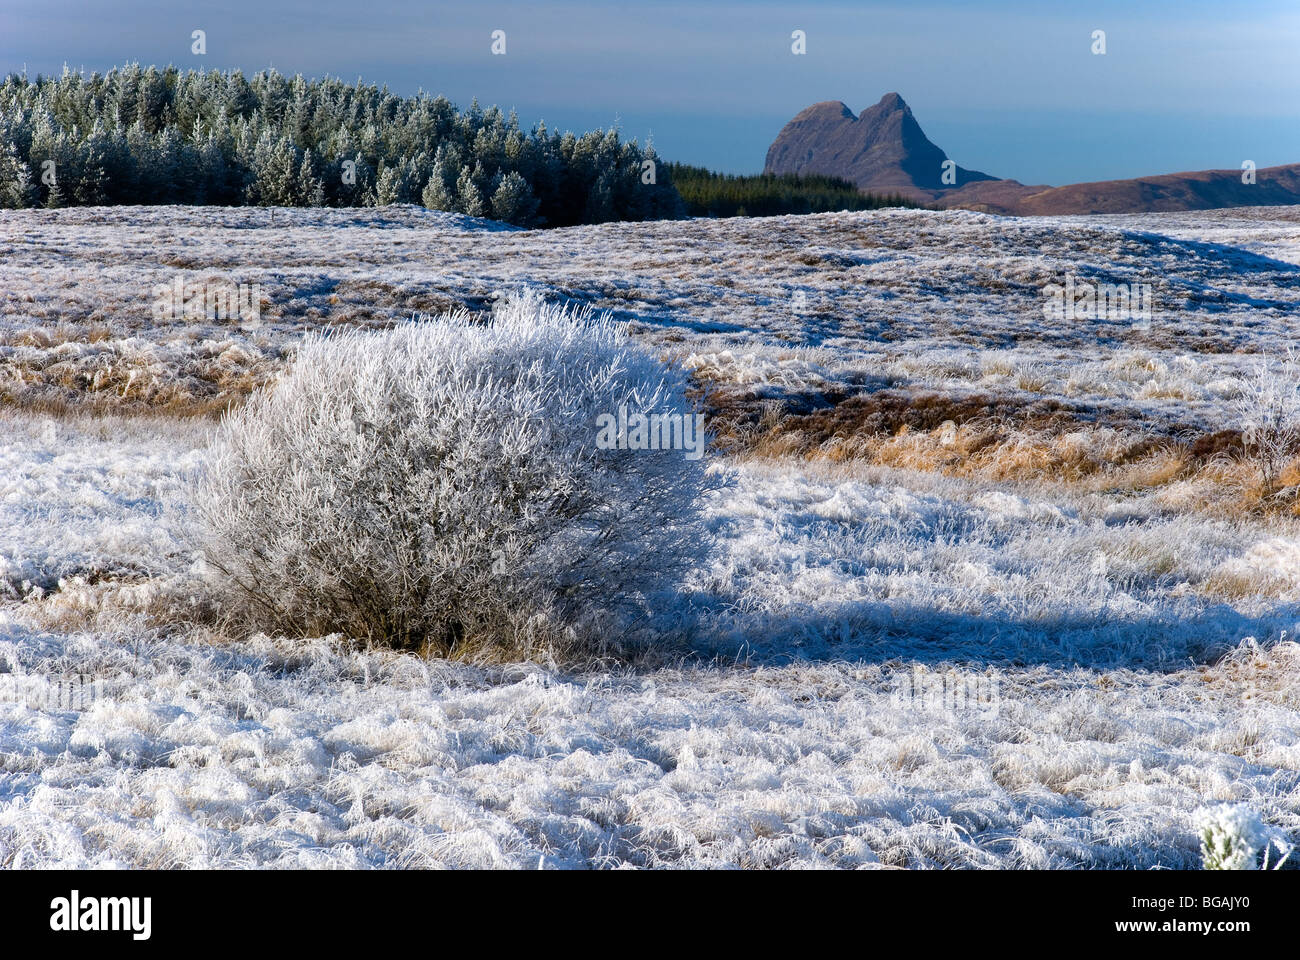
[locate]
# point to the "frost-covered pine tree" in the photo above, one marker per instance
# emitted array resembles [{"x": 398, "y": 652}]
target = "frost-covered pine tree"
[
  {"x": 311, "y": 190},
  {"x": 16, "y": 187},
  {"x": 512, "y": 200},
  {"x": 439, "y": 193},
  {"x": 214, "y": 172},
  {"x": 275, "y": 173},
  {"x": 175, "y": 168},
  {"x": 469, "y": 199},
  {"x": 409, "y": 174},
  {"x": 350, "y": 178},
  {"x": 55, "y": 198},
  {"x": 600, "y": 197},
  {"x": 92, "y": 186},
  {"x": 387, "y": 186}
]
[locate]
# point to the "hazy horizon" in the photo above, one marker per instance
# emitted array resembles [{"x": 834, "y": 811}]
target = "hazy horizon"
[{"x": 1008, "y": 88}]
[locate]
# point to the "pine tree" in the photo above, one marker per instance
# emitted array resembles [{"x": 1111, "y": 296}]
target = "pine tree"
[
  {"x": 153, "y": 100},
  {"x": 92, "y": 184},
  {"x": 439, "y": 193},
  {"x": 601, "y": 198},
  {"x": 54, "y": 199},
  {"x": 513, "y": 201},
  {"x": 16, "y": 187},
  {"x": 310, "y": 189},
  {"x": 387, "y": 187},
  {"x": 275, "y": 172},
  {"x": 469, "y": 199},
  {"x": 362, "y": 176},
  {"x": 171, "y": 177}
]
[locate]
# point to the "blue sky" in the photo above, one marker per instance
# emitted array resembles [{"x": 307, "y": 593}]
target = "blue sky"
[{"x": 1005, "y": 86}]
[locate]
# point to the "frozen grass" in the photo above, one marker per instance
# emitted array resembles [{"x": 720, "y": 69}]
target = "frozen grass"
[
  {"x": 818, "y": 562},
  {"x": 1138, "y": 640},
  {"x": 212, "y": 751},
  {"x": 877, "y": 563},
  {"x": 266, "y": 754},
  {"x": 83, "y": 498},
  {"x": 949, "y": 301}
]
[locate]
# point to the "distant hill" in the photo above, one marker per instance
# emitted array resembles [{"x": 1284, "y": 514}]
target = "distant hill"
[
  {"x": 884, "y": 150},
  {"x": 1164, "y": 193}
]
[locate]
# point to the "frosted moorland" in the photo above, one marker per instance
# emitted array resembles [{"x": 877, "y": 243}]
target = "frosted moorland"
[{"x": 1133, "y": 629}]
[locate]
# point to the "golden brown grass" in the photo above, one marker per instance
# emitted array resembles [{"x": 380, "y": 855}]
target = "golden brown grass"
[
  {"x": 1003, "y": 439},
  {"x": 61, "y": 333},
  {"x": 112, "y": 382},
  {"x": 179, "y": 406}
]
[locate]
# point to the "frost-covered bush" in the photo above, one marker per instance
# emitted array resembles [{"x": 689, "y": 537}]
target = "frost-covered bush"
[{"x": 439, "y": 486}]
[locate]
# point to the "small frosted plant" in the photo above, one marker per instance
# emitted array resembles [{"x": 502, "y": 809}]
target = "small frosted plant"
[
  {"x": 1233, "y": 837},
  {"x": 1268, "y": 409}
]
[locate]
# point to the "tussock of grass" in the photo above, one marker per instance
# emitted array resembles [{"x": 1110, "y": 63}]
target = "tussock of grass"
[{"x": 107, "y": 376}]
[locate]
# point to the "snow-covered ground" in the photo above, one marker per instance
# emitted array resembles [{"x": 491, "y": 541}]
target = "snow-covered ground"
[{"x": 886, "y": 666}]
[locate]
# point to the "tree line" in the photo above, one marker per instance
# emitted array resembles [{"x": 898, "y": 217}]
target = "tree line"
[
  {"x": 154, "y": 136},
  {"x": 709, "y": 194}
]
